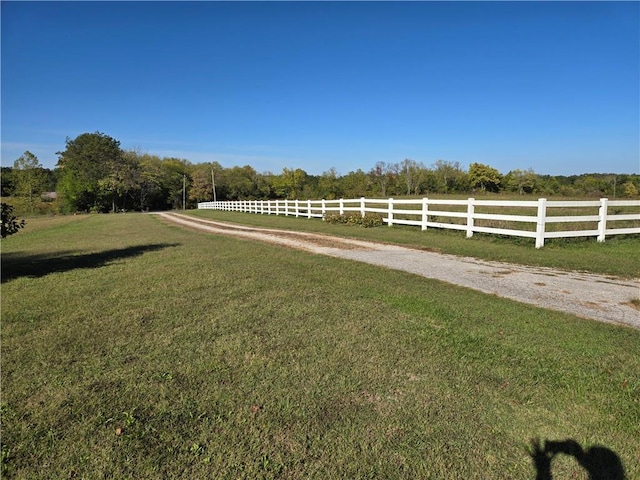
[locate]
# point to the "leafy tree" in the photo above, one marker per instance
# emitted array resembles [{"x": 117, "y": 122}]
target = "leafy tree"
[
  {"x": 175, "y": 176},
  {"x": 384, "y": 174},
  {"x": 428, "y": 181},
  {"x": 149, "y": 176},
  {"x": 485, "y": 177},
  {"x": 120, "y": 181},
  {"x": 10, "y": 223},
  {"x": 6, "y": 181},
  {"x": 547, "y": 185},
  {"x": 88, "y": 159},
  {"x": 202, "y": 182},
  {"x": 450, "y": 177},
  {"x": 521, "y": 181},
  {"x": 591, "y": 185},
  {"x": 29, "y": 178},
  {"x": 329, "y": 185},
  {"x": 239, "y": 183},
  {"x": 290, "y": 183},
  {"x": 201, "y": 186},
  {"x": 629, "y": 189},
  {"x": 411, "y": 172},
  {"x": 356, "y": 184},
  {"x": 264, "y": 186}
]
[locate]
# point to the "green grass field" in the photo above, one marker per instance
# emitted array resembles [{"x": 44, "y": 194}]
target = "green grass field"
[
  {"x": 136, "y": 349},
  {"x": 618, "y": 255}
]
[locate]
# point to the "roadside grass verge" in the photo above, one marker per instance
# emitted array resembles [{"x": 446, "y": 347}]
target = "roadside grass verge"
[
  {"x": 133, "y": 348},
  {"x": 618, "y": 256}
]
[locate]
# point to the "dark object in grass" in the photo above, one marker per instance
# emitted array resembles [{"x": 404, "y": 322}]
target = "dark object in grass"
[{"x": 600, "y": 462}]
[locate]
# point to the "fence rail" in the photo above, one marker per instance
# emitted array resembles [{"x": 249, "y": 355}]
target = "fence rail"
[{"x": 539, "y": 219}]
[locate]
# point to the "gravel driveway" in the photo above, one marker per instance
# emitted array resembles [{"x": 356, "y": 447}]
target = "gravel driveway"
[{"x": 597, "y": 297}]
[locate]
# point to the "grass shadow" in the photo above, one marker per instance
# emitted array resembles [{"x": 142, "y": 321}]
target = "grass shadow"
[
  {"x": 16, "y": 265},
  {"x": 599, "y": 462}
]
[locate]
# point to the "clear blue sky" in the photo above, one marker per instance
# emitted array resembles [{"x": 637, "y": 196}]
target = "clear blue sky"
[{"x": 552, "y": 86}]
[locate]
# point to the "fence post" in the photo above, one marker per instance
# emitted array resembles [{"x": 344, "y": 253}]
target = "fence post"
[
  {"x": 341, "y": 206},
  {"x": 470, "y": 212},
  {"x": 362, "y": 207},
  {"x": 324, "y": 208},
  {"x": 390, "y": 213},
  {"x": 425, "y": 212},
  {"x": 602, "y": 223},
  {"x": 297, "y": 208},
  {"x": 542, "y": 218}
]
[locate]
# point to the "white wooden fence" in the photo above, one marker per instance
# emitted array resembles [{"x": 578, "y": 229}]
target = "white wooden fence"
[{"x": 594, "y": 220}]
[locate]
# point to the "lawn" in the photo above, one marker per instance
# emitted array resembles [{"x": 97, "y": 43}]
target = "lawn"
[
  {"x": 136, "y": 349},
  {"x": 617, "y": 256}
]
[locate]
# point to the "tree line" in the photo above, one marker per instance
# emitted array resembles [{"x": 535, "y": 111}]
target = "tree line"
[{"x": 94, "y": 174}]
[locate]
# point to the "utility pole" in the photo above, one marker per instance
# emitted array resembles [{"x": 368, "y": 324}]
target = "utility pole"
[
  {"x": 184, "y": 192},
  {"x": 213, "y": 183}
]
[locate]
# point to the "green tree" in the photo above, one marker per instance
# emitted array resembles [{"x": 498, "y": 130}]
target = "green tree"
[
  {"x": 449, "y": 177},
  {"x": 120, "y": 181},
  {"x": 485, "y": 177},
  {"x": 356, "y": 184},
  {"x": 202, "y": 181},
  {"x": 521, "y": 181},
  {"x": 175, "y": 177},
  {"x": 384, "y": 175},
  {"x": 29, "y": 179},
  {"x": 329, "y": 185},
  {"x": 239, "y": 183},
  {"x": 150, "y": 189},
  {"x": 629, "y": 189},
  {"x": 290, "y": 183},
  {"x": 10, "y": 223},
  {"x": 6, "y": 181},
  {"x": 88, "y": 159},
  {"x": 591, "y": 185},
  {"x": 411, "y": 172}
]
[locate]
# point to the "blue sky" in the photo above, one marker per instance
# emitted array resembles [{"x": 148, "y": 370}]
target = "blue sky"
[{"x": 552, "y": 86}]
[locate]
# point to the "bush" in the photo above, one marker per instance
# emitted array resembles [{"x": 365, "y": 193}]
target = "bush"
[
  {"x": 10, "y": 223},
  {"x": 368, "y": 221}
]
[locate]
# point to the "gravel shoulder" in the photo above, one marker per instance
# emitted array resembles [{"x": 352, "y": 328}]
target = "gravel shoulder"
[{"x": 597, "y": 297}]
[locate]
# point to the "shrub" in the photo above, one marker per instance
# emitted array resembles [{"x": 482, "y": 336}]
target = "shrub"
[
  {"x": 10, "y": 223},
  {"x": 368, "y": 221}
]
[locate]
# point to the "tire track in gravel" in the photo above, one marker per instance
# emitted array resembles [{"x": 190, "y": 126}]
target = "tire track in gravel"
[{"x": 597, "y": 297}]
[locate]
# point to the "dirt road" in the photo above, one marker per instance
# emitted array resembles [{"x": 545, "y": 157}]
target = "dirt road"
[{"x": 597, "y": 297}]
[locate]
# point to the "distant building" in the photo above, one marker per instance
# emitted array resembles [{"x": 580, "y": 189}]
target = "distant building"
[{"x": 48, "y": 196}]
